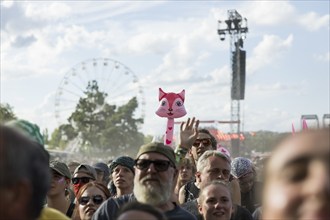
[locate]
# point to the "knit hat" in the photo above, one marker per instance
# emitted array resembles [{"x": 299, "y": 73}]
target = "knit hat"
[
  {"x": 102, "y": 167},
  {"x": 28, "y": 129},
  {"x": 87, "y": 169},
  {"x": 61, "y": 168},
  {"x": 160, "y": 148},
  {"x": 123, "y": 161},
  {"x": 241, "y": 166}
]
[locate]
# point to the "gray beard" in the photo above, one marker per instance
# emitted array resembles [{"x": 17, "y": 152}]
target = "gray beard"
[{"x": 154, "y": 194}]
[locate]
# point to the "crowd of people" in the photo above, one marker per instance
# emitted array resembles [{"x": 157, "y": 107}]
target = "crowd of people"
[{"x": 192, "y": 181}]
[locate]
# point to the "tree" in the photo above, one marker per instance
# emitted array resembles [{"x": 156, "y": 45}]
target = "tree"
[
  {"x": 6, "y": 113},
  {"x": 100, "y": 126}
]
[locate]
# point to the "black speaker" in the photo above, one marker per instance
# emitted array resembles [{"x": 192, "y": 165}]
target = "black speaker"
[{"x": 238, "y": 74}]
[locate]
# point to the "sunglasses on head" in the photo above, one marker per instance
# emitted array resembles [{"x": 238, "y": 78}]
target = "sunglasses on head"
[
  {"x": 205, "y": 142},
  {"x": 78, "y": 180},
  {"x": 97, "y": 200},
  {"x": 159, "y": 165}
]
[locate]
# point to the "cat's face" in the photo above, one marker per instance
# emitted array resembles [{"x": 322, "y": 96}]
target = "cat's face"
[{"x": 171, "y": 105}]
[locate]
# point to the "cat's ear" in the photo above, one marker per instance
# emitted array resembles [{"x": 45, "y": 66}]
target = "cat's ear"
[
  {"x": 161, "y": 94},
  {"x": 181, "y": 94}
]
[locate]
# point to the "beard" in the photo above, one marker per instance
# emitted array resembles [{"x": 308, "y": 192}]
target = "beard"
[{"x": 151, "y": 190}]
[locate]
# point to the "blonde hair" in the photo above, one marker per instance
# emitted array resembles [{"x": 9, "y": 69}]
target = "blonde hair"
[{"x": 214, "y": 183}]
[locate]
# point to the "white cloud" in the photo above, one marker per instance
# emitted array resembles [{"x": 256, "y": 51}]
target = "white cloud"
[
  {"x": 48, "y": 11},
  {"x": 268, "y": 51},
  {"x": 269, "y": 12},
  {"x": 7, "y": 3},
  {"x": 150, "y": 43},
  {"x": 323, "y": 57},
  {"x": 313, "y": 22}
]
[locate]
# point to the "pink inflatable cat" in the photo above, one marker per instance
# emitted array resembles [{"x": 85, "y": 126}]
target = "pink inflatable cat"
[{"x": 171, "y": 106}]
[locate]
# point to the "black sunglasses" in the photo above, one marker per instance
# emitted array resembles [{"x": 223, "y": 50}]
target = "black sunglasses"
[
  {"x": 78, "y": 180},
  {"x": 97, "y": 200},
  {"x": 160, "y": 165},
  {"x": 205, "y": 142}
]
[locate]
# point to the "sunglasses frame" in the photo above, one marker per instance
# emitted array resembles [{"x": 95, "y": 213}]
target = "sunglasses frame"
[
  {"x": 97, "y": 200},
  {"x": 156, "y": 164},
  {"x": 202, "y": 140},
  {"x": 80, "y": 179}
]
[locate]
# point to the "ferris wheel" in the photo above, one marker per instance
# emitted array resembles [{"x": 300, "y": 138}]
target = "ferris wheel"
[{"x": 113, "y": 78}]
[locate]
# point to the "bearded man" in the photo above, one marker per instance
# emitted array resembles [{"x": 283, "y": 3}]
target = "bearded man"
[{"x": 155, "y": 177}]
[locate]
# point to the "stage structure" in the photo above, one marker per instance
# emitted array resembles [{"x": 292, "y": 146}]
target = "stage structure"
[{"x": 236, "y": 27}]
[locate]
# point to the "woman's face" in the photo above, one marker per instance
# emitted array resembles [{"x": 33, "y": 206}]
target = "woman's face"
[
  {"x": 89, "y": 201},
  {"x": 216, "y": 203},
  {"x": 122, "y": 177},
  {"x": 58, "y": 184},
  {"x": 185, "y": 173}
]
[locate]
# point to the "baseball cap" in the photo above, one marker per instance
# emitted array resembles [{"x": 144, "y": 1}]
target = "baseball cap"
[
  {"x": 87, "y": 169},
  {"x": 61, "y": 168},
  {"x": 102, "y": 167},
  {"x": 160, "y": 148}
]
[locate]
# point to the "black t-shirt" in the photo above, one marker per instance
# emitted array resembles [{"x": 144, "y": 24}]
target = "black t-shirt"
[
  {"x": 110, "y": 208},
  {"x": 191, "y": 191}
]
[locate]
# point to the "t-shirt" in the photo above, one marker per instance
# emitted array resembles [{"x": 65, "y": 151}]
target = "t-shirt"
[
  {"x": 110, "y": 208},
  {"x": 51, "y": 214},
  {"x": 191, "y": 191}
]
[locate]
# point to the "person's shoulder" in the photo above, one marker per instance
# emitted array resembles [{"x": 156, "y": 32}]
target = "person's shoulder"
[
  {"x": 180, "y": 214},
  {"x": 48, "y": 213},
  {"x": 189, "y": 204},
  {"x": 110, "y": 208},
  {"x": 241, "y": 213}
]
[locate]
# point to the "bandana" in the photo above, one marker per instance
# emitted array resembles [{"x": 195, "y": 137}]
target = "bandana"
[{"x": 241, "y": 166}]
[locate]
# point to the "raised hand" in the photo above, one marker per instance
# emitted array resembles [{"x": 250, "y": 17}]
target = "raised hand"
[{"x": 188, "y": 133}]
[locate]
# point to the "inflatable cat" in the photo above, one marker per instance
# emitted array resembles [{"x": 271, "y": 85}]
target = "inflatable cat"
[{"x": 171, "y": 106}]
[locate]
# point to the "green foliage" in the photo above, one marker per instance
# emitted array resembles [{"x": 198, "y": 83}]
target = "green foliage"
[
  {"x": 261, "y": 141},
  {"x": 6, "y": 113},
  {"x": 102, "y": 127}
]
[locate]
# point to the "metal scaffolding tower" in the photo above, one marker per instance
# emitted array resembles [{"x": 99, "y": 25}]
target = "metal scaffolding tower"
[{"x": 236, "y": 27}]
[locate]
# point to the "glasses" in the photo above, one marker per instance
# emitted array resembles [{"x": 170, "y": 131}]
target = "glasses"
[
  {"x": 205, "y": 142},
  {"x": 78, "y": 180},
  {"x": 159, "y": 165},
  {"x": 97, "y": 200}
]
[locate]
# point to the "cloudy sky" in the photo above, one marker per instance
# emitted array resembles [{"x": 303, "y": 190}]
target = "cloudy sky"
[{"x": 49, "y": 48}]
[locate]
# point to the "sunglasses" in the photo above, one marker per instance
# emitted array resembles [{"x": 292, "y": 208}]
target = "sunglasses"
[
  {"x": 159, "y": 165},
  {"x": 97, "y": 200},
  {"x": 78, "y": 180},
  {"x": 205, "y": 142}
]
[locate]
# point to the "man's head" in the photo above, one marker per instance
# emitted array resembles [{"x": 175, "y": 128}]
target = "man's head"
[
  {"x": 102, "y": 172},
  {"x": 297, "y": 181},
  {"x": 243, "y": 169},
  {"x": 155, "y": 174},
  {"x": 212, "y": 165},
  {"x": 204, "y": 141},
  {"x": 24, "y": 175},
  {"x": 83, "y": 174}
]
